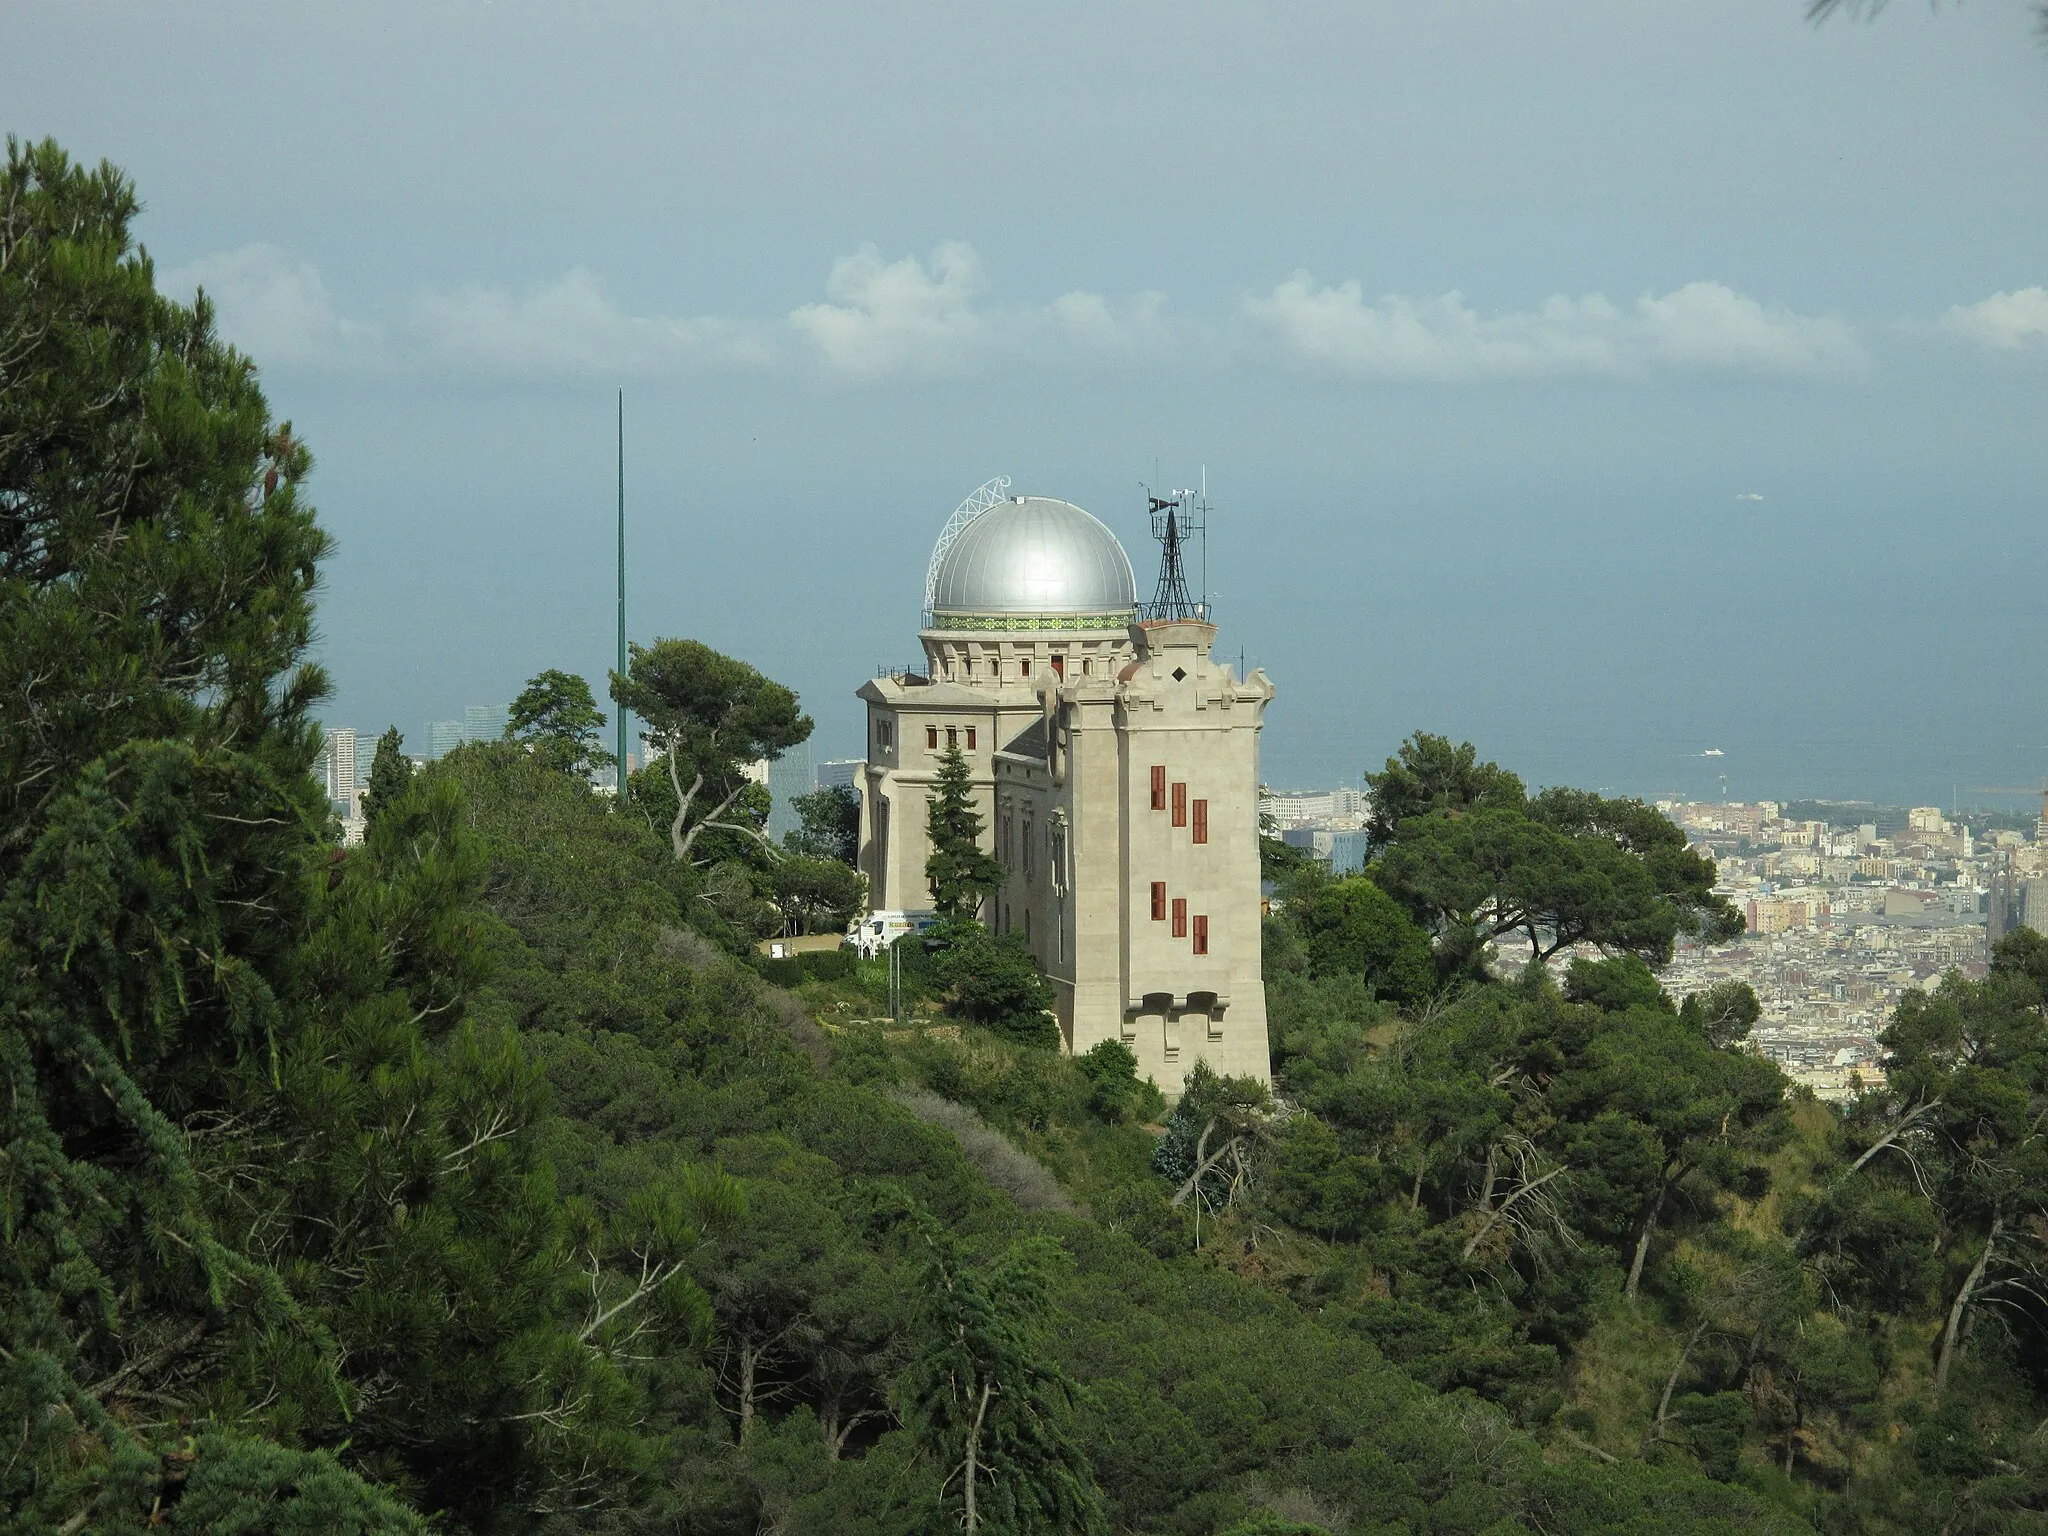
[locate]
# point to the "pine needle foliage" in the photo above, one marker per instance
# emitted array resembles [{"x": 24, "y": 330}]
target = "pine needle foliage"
[{"x": 961, "y": 872}]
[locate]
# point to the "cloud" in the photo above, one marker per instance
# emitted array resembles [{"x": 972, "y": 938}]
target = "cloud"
[
  {"x": 2004, "y": 322},
  {"x": 274, "y": 308},
  {"x": 909, "y": 317},
  {"x": 891, "y": 317},
  {"x": 1701, "y": 327},
  {"x": 933, "y": 317},
  {"x": 570, "y": 326}
]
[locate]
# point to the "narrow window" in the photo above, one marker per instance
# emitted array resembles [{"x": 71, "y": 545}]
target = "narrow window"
[
  {"x": 1024, "y": 667},
  {"x": 1201, "y": 821},
  {"x": 1158, "y": 901},
  {"x": 952, "y": 738},
  {"x": 1158, "y": 787},
  {"x": 1059, "y": 667},
  {"x": 1201, "y": 935},
  {"x": 1180, "y": 917},
  {"x": 1027, "y": 925},
  {"x": 1087, "y": 666},
  {"x": 1180, "y": 805},
  {"x": 970, "y": 738},
  {"x": 931, "y": 737}
]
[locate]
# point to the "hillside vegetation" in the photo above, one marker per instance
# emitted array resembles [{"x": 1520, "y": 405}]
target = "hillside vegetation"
[{"x": 476, "y": 1179}]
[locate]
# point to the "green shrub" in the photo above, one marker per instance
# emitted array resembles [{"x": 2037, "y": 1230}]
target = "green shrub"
[{"x": 828, "y": 964}]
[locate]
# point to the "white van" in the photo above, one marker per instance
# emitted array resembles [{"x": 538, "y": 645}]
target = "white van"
[{"x": 873, "y": 934}]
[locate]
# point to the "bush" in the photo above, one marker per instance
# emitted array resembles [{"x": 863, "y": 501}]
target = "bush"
[
  {"x": 995, "y": 983},
  {"x": 1115, "y": 1091},
  {"x": 829, "y": 964},
  {"x": 817, "y": 965}
]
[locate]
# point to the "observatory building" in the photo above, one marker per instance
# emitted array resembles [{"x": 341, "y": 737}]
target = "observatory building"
[{"x": 1116, "y": 765}]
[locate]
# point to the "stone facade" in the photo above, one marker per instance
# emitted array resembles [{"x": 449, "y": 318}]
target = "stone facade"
[{"x": 1117, "y": 771}]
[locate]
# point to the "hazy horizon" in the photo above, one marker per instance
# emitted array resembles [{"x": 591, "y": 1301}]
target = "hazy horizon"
[{"x": 1599, "y": 383}]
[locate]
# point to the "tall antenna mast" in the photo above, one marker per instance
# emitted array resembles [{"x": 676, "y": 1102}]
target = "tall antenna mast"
[
  {"x": 1175, "y": 516},
  {"x": 623, "y": 790}
]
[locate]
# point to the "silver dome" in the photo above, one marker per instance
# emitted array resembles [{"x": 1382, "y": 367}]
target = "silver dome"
[{"x": 1034, "y": 555}]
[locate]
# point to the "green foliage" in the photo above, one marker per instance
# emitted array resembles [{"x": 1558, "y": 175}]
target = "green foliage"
[
  {"x": 962, "y": 874},
  {"x": 816, "y": 965},
  {"x": 1429, "y": 776},
  {"x": 1960, "y": 1115},
  {"x": 709, "y": 716},
  {"x": 390, "y": 773},
  {"x": 557, "y": 720},
  {"x": 1625, "y": 982},
  {"x": 816, "y": 895},
  {"x": 1474, "y": 860},
  {"x": 267, "y": 1190},
  {"x": 1209, "y": 1153},
  {"x": 985, "y": 1397},
  {"x": 1115, "y": 1091},
  {"x": 993, "y": 981},
  {"x": 1353, "y": 928},
  {"x": 1725, "y": 1012},
  {"x": 473, "y": 1171},
  {"x": 830, "y": 829}
]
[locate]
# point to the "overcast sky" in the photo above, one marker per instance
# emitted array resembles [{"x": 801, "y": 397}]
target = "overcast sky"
[{"x": 1603, "y": 382}]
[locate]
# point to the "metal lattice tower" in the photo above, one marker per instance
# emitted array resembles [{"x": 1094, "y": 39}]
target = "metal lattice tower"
[
  {"x": 1174, "y": 517},
  {"x": 965, "y": 513}
]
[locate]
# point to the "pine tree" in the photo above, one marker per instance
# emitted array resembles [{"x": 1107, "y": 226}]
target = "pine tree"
[
  {"x": 558, "y": 721},
  {"x": 390, "y": 774},
  {"x": 985, "y": 1398},
  {"x": 961, "y": 873},
  {"x": 264, "y": 1188}
]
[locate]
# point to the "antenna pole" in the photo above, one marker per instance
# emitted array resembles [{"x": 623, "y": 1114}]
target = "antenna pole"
[
  {"x": 623, "y": 789},
  {"x": 1174, "y": 517}
]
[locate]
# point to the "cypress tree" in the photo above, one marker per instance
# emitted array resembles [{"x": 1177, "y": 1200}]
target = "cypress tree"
[
  {"x": 390, "y": 773},
  {"x": 961, "y": 873}
]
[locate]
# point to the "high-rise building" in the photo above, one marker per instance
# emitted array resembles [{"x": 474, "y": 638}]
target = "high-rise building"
[
  {"x": 789, "y": 775},
  {"x": 443, "y": 737},
  {"x": 840, "y": 773},
  {"x": 2034, "y": 903},
  {"x": 485, "y": 722},
  {"x": 338, "y": 769}
]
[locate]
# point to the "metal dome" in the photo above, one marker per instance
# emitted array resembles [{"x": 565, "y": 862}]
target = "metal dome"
[{"x": 1032, "y": 555}]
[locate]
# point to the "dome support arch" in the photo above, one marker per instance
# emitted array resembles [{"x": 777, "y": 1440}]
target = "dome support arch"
[{"x": 990, "y": 493}]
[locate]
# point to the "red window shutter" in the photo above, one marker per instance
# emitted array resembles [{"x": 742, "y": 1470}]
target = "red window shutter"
[
  {"x": 1201, "y": 821},
  {"x": 1180, "y": 917},
  {"x": 1201, "y": 935},
  {"x": 970, "y": 738},
  {"x": 931, "y": 737},
  {"x": 1158, "y": 787},
  {"x": 1158, "y": 901},
  {"x": 1180, "y": 805}
]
